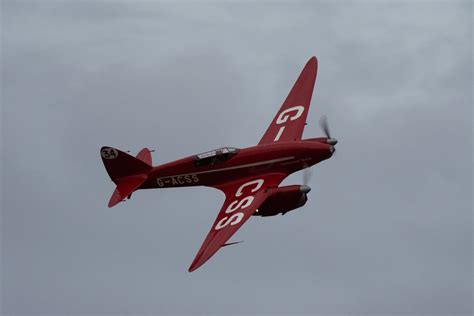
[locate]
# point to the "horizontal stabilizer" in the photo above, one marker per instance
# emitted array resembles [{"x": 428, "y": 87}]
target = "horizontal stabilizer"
[
  {"x": 125, "y": 187},
  {"x": 145, "y": 156}
]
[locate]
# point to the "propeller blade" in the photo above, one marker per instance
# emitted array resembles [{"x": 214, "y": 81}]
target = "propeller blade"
[
  {"x": 323, "y": 122},
  {"x": 306, "y": 175}
]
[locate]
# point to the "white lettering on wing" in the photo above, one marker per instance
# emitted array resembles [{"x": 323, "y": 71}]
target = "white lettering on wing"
[{"x": 283, "y": 117}]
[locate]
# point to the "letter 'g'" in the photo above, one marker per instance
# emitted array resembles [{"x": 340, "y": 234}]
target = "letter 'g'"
[{"x": 284, "y": 116}]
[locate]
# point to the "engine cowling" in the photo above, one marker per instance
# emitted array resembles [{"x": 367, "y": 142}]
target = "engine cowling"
[{"x": 283, "y": 199}]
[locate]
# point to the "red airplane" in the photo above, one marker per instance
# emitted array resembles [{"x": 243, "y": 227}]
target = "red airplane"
[{"x": 249, "y": 177}]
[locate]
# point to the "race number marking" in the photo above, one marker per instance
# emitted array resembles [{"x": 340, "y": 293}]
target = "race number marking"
[
  {"x": 239, "y": 204},
  {"x": 283, "y": 117},
  {"x": 109, "y": 153}
]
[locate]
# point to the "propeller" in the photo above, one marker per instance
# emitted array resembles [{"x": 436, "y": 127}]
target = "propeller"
[
  {"x": 323, "y": 122},
  {"x": 306, "y": 175}
]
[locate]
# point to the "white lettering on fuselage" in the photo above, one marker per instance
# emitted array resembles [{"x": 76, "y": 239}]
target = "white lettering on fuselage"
[
  {"x": 194, "y": 178},
  {"x": 177, "y": 180},
  {"x": 302, "y": 160}
]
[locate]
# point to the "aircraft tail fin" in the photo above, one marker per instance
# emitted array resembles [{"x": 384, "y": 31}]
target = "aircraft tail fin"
[
  {"x": 120, "y": 164},
  {"x": 126, "y": 171}
]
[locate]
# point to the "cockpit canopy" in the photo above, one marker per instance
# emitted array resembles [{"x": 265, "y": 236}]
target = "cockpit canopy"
[{"x": 214, "y": 156}]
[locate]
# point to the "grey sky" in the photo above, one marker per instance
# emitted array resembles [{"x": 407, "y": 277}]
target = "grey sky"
[{"x": 388, "y": 225}]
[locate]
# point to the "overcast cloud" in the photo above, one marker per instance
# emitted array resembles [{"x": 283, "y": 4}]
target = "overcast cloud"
[{"x": 388, "y": 225}]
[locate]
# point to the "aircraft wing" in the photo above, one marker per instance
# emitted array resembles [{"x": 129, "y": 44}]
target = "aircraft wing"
[
  {"x": 243, "y": 197},
  {"x": 290, "y": 120}
]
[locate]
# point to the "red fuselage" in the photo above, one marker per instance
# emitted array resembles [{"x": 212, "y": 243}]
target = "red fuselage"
[
  {"x": 248, "y": 177},
  {"x": 284, "y": 158}
]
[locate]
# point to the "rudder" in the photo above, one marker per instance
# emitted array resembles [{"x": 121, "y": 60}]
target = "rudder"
[
  {"x": 126, "y": 171},
  {"x": 120, "y": 164}
]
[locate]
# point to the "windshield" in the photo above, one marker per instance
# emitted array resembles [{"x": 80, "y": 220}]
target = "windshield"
[{"x": 214, "y": 156}]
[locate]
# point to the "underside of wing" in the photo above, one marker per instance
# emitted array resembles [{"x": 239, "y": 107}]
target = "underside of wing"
[
  {"x": 243, "y": 197},
  {"x": 288, "y": 124}
]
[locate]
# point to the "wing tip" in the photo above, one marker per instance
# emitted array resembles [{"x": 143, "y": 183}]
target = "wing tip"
[
  {"x": 194, "y": 266},
  {"x": 313, "y": 61}
]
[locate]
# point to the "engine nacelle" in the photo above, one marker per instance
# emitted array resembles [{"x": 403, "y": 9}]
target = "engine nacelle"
[{"x": 283, "y": 199}]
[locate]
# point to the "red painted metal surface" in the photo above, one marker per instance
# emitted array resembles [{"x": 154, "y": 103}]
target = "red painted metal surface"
[
  {"x": 282, "y": 200},
  {"x": 289, "y": 122},
  {"x": 249, "y": 177}
]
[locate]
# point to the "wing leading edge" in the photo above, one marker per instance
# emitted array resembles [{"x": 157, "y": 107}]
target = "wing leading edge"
[
  {"x": 288, "y": 124},
  {"x": 243, "y": 198}
]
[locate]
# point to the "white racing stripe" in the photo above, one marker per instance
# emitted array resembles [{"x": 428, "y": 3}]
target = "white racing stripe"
[{"x": 255, "y": 164}]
